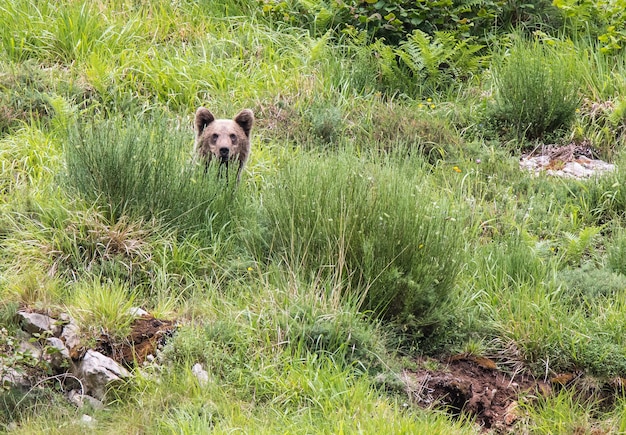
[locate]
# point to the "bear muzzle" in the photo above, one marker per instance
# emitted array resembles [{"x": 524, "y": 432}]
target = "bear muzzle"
[{"x": 224, "y": 154}]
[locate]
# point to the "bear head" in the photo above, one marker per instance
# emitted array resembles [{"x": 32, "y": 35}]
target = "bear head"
[{"x": 224, "y": 139}]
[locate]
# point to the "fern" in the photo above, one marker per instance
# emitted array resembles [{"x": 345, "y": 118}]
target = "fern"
[
  {"x": 575, "y": 246},
  {"x": 440, "y": 59}
]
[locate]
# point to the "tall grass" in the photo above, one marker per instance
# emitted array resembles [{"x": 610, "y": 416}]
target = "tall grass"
[
  {"x": 390, "y": 238},
  {"x": 138, "y": 166},
  {"x": 294, "y": 289},
  {"x": 536, "y": 88}
]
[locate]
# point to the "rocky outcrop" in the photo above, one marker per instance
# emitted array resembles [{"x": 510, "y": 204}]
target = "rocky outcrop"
[
  {"x": 570, "y": 161},
  {"x": 53, "y": 344},
  {"x": 579, "y": 168}
]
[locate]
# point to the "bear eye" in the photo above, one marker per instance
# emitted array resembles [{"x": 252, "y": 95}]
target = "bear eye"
[
  {"x": 214, "y": 137},
  {"x": 233, "y": 137}
]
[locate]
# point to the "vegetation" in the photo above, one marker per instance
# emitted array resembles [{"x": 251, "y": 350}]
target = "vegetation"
[{"x": 382, "y": 216}]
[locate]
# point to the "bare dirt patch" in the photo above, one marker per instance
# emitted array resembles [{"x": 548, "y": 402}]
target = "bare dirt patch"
[
  {"x": 468, "y": 384},
  {"x": 477, "y": 387},
  {"x": 147, "y": 334}
]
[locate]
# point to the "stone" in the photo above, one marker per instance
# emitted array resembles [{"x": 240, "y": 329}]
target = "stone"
[
  {"x": 577, "y": 170},
  {"x": 57, "y": 354},
  {"x": 88, "y": 421},
  {"x": 98, "y": 371},
  {"x": 81, "y": 400},
  {"x": 138, "y": 312},
  {"x": 35, "y": 323},
  {"x": 200, "y": 374},
  {"x": 33, "y": 349},
  {"x": 580, "y": 168},
  {"x": 71, "y": 338},
  {"x": 11, "y": 378}
]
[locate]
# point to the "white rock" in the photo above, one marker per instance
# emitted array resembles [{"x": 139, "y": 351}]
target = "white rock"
[
  {"x": 577, "y": 170},
  {"x": 200, "y": 374},
  {"x": 137, "y": 312},
  {"x": 97, "y": 371},
  {"x": 88, "y": 420}
]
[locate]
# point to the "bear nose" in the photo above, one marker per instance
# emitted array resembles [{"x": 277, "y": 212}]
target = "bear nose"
[{"x": 223, "y": 152}]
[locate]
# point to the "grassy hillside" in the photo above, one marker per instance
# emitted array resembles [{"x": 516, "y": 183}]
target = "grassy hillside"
[{"x": 382, "y": 224}]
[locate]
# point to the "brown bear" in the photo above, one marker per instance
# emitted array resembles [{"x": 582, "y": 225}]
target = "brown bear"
[{"x": 224, "y": 139}]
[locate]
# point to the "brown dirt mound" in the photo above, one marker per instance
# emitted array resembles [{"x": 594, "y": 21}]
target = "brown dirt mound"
[
  {"x": 473, "y": 385},
  {"x": 147, "y": 333}
]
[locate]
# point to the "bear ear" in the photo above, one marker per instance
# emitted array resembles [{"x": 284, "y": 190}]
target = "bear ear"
[
  {"x": 245, "y": 119},
  {"x": 203, "y": 118}
]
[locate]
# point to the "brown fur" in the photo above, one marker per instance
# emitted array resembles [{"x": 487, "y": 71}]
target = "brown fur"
[{"x": 224, "y": 139}]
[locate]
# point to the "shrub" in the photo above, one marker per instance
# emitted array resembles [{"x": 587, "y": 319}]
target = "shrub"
[
  {"x": 536, "y": 89},
  {"x": 391, "y": 239},
  {"x": 603, "y": 19}
]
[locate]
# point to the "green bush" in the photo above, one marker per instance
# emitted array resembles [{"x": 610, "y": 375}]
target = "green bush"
[
  {"x": 391, "y": 239},
  {"x": 140, "y": 167},
  {"x": 392, "y": 20},
  {"x": 603, "y": 19},
  {"x": 536, "y": 89}
]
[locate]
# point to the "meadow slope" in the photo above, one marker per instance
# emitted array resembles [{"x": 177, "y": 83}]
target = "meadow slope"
[{"x": 381, "y": 233}]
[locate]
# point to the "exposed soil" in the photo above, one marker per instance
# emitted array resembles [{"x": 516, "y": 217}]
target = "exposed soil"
[
  {"x": 147, "y": 333},
  {"x": 473, "y": 385}
]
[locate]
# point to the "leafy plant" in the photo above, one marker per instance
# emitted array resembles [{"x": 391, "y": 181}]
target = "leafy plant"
[
  {"x": 604, "y": 19},
  {"x": 438, "y": 61}
]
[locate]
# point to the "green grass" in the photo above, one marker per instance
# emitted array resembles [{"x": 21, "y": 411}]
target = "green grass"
[{"x": 380, "y": 218}]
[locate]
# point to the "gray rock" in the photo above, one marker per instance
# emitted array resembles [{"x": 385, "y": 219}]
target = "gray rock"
[
  {"x": 11, "y": 378},
  {"x": 98, "y": 371},
  {"x": 81, "y": 400},
  {"x": 71, "y": 338},
  {"x": 35, "y": 323},
  {"x": 27, "y": 347},
  {"x": 57, "y": 354}
]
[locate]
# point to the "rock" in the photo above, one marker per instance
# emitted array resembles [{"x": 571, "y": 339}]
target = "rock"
[
  {"x": 88, "y": 421},
  {"x": 98, "y": 371},
  {"x": 32, "y": 349},
  {"x": 138, "y": 312},
  {"x": 580, "y": 168},
  {"x": 35, "y": 323},
  {"x": 57, "y": 354},
  {"x": 70, "y": 337},
  {"x": 81, "y": 400},
  {"x": 11, "y": 378},
  {"x": 577, "y": 170},
  {"x": 200, "y": 373}
]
